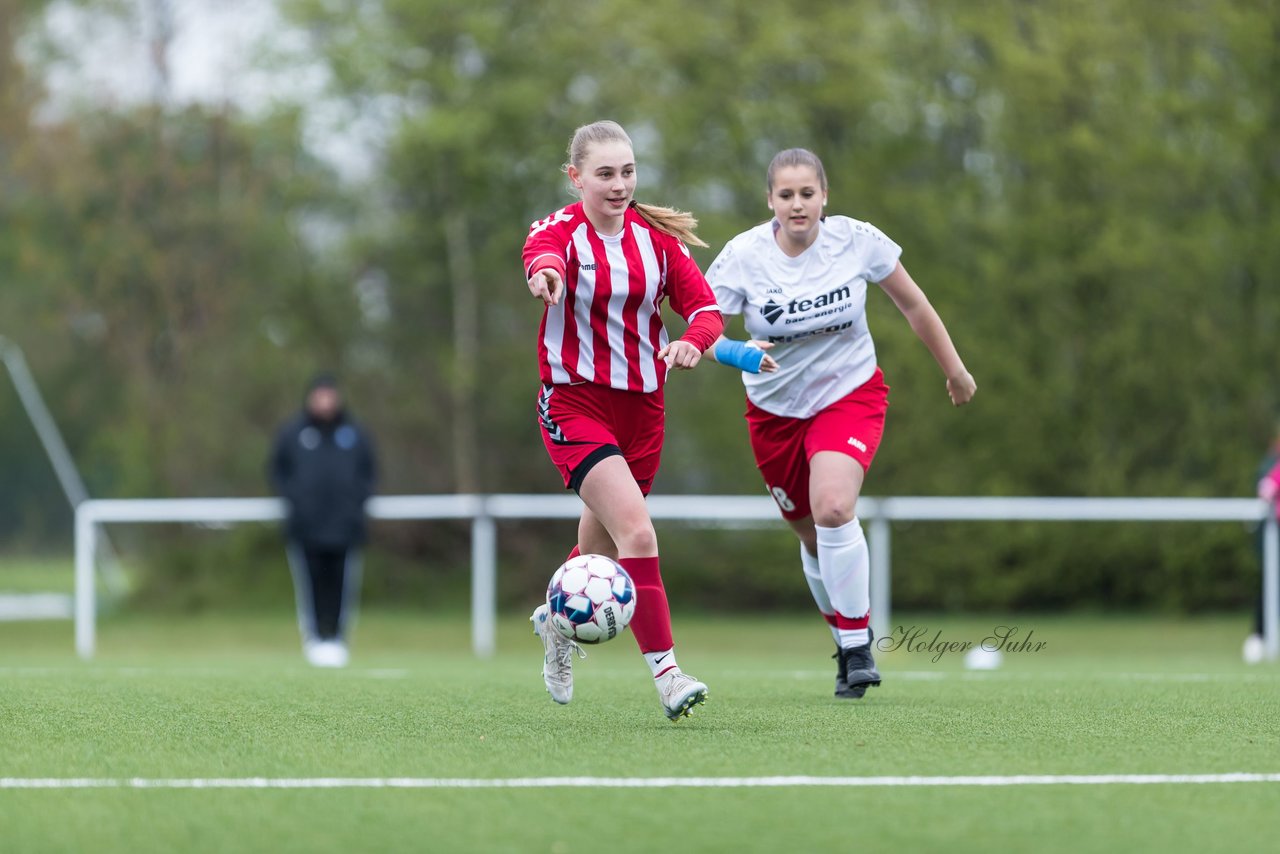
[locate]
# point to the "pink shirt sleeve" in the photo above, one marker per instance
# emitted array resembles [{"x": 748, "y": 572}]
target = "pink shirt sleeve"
[{"x": 1269, "y": 486}]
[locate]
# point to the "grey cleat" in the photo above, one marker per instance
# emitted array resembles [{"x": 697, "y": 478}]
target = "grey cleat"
[
  {"x": 557, "y": 658},
  {"x": 680, "y": 693}
]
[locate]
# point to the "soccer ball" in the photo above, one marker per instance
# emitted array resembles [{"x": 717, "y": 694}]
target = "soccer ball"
[{"x": 591, "y": 599}]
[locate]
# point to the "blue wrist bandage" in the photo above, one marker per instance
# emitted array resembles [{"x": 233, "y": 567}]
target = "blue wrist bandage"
[{"x": 739, "y": 354}]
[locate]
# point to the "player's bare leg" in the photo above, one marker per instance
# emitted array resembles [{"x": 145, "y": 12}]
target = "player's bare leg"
[
  {"x": 615, "y": 505},
  {"x": 593, "y": 537}
]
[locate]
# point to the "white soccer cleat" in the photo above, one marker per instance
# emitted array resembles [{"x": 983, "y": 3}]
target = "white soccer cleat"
[
  {"x": 557, "y": 658},
  {"x": 326, "y": 653},
  {"x": 339, "y": 655},
  {"x": 679, "y": 693},
  {"x": 1255, "y": 650}
]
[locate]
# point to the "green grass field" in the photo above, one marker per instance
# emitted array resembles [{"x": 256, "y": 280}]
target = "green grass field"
[
  {"x": 36, "y": 574},
  {"x": 228, "y": 696}
]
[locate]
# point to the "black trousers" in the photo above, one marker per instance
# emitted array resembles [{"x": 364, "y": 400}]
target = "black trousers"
[
  {"x": 326, "y": 585},
  {"x": 1258, "y": 541}
]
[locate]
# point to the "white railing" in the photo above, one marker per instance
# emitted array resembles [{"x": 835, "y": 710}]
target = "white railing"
[
  {"x": 485, "y": 511},
  {"x": 43, "y": 605}
]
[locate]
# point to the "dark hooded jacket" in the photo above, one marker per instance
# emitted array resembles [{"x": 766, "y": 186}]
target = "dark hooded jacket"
[{"x": 325, "y": 471}]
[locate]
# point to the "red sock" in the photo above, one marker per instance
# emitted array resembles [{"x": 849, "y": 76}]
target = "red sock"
[
  {"x": 651, "y": 623},
  {"x": 840, "y": 621},
  {"x": 572, "y": 554}
]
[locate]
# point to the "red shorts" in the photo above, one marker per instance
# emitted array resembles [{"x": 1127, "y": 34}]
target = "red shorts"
[
  {"x": 783, "y": 446},
  {"x": 581, "y": 423}
]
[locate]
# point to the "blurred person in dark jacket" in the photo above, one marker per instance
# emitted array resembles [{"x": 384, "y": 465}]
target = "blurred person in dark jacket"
[{"x": 323, "y": 465}]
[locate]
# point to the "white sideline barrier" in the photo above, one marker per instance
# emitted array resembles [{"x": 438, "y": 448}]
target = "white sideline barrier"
[
  {"x": 36, "y": 606},
  {"x": 485, "y": 510}
]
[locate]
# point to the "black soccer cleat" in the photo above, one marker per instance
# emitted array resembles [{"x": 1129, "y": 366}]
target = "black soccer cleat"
[
  {"x": 857, "y": 670},
  {"x": 841, "y": 685}
]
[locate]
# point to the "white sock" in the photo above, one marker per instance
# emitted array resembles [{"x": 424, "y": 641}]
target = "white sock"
[
  {"x": 846, "y": 573},
  {"x": 814, "y": 576},
  {"x": 661, "y": 662},
  {"x": 849, "y": 638}
]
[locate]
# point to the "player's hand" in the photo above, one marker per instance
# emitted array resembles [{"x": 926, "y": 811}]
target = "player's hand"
[
  {"x": 1267, "y": 489},
  {"x": 767, "y": 365},
  {"x": 680, "y": 355},
  {"x": 547, "y": 286},
  {"x": 961, "y": 388}
]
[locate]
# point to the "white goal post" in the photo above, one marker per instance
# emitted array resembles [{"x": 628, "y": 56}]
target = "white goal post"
[{"x": 484, "y": 511}]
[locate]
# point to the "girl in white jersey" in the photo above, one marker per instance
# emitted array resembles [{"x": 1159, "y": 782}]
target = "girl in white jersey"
[{"x": 816, "y": 402}]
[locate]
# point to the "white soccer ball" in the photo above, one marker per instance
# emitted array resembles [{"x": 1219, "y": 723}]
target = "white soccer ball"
[{"x": 591, "y": 599}]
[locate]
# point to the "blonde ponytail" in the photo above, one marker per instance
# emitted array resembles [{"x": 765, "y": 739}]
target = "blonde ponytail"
[{"x": 676, "y": 223}]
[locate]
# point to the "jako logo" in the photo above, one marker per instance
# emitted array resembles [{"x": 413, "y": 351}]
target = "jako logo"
[{"x": 771, "y": 311}]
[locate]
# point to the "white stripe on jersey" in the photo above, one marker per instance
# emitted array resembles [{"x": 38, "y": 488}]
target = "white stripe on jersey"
[
  {"x": 584, "y": 294},
  {"x": 644, "y": 318},
  {"x": 535, "y": 261},
  {"x": 615, "y": 324},
  {"x": 553, "y": 340}
]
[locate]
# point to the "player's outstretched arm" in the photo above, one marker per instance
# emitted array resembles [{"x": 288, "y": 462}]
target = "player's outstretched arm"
[
  {"x": 928, "y": 326},
  {"x": 546, "y": 285}
]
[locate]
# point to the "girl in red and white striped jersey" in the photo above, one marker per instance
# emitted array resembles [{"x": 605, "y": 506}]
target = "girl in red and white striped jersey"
[{"x": 602, "y": 268}]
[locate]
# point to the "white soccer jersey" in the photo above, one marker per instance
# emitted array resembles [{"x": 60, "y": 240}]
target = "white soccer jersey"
[{"x": 813, "y": 309}]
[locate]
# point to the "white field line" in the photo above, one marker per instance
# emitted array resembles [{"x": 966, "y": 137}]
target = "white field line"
[
  {"x": 371, "y": 673},
  {"x": 627, "y": 782}
]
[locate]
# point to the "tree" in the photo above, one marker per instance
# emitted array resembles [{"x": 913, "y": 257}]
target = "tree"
[
  {"x": 1086, "y": 191},
  {"x": 1070, "y": 188}
]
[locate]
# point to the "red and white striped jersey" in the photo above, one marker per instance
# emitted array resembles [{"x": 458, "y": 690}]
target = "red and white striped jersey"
[{"x": 608, "y": 328}]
